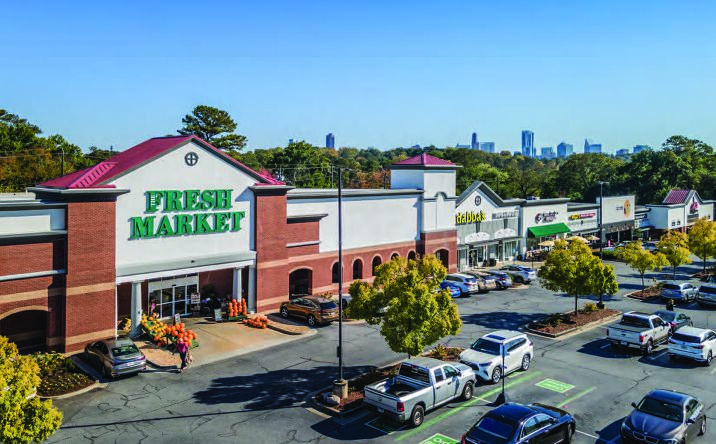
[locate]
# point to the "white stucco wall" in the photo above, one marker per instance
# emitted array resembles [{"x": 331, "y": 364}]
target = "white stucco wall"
[
  {"x": 529, "y": 213},
  {"x": 367, "y": 221},
  {"x": 407, "y": 179},
  {"x": 170, "y": 172},
  {"x": 618, "y": 209},
  {"x": 32, "y": 221},
  {"x": 439, "y": 181},
  {"x": 583, "y": 224}
]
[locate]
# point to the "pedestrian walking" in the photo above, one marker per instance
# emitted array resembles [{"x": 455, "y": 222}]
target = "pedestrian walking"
[
  {"x": 670, "y": 304},
  {"x": 183, "y": 349}
]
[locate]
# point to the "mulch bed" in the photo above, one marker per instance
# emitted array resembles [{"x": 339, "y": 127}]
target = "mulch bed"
[
  {"x": 647, "y": 294},
  {"x": 59, "y": 375},
  {"x": 560, "y": 322},
  {"x": 357, "y": 384}
]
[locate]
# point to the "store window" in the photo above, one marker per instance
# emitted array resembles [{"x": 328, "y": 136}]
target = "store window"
[
  {"x": 357, "y": 269},
  {"x": 335, "y": 273},
  {"x": 376, "y": 262},
  {"x": 394, "y": 256},
  {"x": 411, "y": 256}
]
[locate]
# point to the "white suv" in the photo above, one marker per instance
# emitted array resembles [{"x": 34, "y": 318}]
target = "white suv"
[
  {"x": 485, "y": 355},
  {"x": 694, "y": 343}
]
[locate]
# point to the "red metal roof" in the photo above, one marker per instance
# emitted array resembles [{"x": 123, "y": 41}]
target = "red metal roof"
[
  {"x": 426, "y": 160},
  {"x": 676, "y": 197},
  {"x": 96, "y": 176}
]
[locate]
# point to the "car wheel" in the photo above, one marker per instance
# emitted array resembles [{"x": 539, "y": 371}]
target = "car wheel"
[
  {"x": 614, "y": 345},
  {"x": 568, "y": 434},
  {"x": 103, "y": 370},
  {"x": 417, "y": 416},
  {"x": 467, "y": 392},
  {"x": 709, "y": 358},
  {"x": 284, "y": 312},
  {"x": 702, "y": 430},
  {"x": 649, "y": 347},
  {"x": 496, "y": 375},
  {"x": 519, "y": 280},
  {"x": 673, "y": 357},
  {"x": 311, "y": 320},
  {"x": 526, "y": 362}
]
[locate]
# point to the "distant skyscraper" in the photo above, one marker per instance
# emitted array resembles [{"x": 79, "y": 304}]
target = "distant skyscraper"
[
  {"x": 290, "y": 141},
  {"x": 488, "y": 147},
  {"x": 591, "y": 147},
  {"x": 638, "y": 148},
  {"x": 474, "y": 144},
  {"x": 528, "y": 143},
  {"x": 623, "y": 152},
  {"x": 460, "y": 145},
  {"x": 565, "y": 149},
  {"x": 330, "y": 140},
  {"x": 547, "y": 152}
]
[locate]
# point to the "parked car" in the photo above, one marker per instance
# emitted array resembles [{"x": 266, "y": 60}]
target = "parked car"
[
  {"x": 485, "y": 354},
  {"x": 698, "y": 344},
  {"x": 114, "y": 357},
  {"x": 485, "y": 281},
  {"x": 503, "y": 280},
  {"x": 639, "y": 329},
  {"x": 468, "y": 284},
  {"x": 452, "y": 287},
  {"x": 520, "y": 274},
  {"x": 513, "y": 423},
  {"x": 706, "y": 295},
  {"x": 315, "y": 309},
  {"x": 664, "y": 416},
  {"x": 421, "y": 385},
  {"x": 675, "y": 318},
  {"x": 649, "y": 246},
  {"x": 679, "y": 291}
]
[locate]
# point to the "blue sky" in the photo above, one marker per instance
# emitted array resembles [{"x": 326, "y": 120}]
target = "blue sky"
[{"x": 380, "y": 74}]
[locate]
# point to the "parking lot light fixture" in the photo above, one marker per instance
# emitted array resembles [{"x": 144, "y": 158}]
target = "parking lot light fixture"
[{"x": 601, "y": 229}]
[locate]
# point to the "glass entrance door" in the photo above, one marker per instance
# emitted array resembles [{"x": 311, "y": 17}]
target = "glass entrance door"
[{"x": 170, "y": 297}]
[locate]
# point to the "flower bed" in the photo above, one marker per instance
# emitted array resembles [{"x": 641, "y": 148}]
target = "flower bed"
[
  {"x": 357, "y": 384},
  {"x": 647, "y": 294},
  {"x": 59, "y": 375},
  {"x": 559, "y": 322}
]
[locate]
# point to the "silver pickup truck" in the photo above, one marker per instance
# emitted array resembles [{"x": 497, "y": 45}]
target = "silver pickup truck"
[
  {"x": 639, "y": 329},
  {"x": 422, "y": 384}
]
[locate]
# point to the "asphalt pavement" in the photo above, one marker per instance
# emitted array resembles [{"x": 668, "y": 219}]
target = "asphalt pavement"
[{"x": 258, "y": 397}]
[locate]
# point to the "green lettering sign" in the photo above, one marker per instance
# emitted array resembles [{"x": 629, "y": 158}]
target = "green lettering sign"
[{"x": 142, "y": 227}]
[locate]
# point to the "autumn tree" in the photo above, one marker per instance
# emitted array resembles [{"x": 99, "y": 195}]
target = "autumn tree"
[
  {"x": 640, "y": 259},
  {"x": 214, "y": 126},
  {"x": 702, "y": 239},
  {"x": 24, "y": 418},
  {"x": 417, "y": 312},
  {"x": 675, "y": 246},
  {"x": 573, "y": 269}
]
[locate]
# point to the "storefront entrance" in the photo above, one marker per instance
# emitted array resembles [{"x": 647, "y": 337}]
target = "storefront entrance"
[{"x": 172, "y": 296}]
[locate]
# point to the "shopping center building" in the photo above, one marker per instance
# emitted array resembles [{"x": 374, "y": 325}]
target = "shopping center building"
[{"x": 166, "y": 218}]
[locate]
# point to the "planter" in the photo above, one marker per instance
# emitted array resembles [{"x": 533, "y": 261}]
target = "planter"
[
  {"x": 652, "y": 293},
  {"x": 560, "y": 324}
]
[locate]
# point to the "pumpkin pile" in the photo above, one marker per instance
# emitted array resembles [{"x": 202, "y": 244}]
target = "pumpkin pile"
[
  {"x": 181, "y": 334},
  {"x": 259, "y": 321},
  {"x": 237, "y": 308},
  {"x": 155, "y": 328}
]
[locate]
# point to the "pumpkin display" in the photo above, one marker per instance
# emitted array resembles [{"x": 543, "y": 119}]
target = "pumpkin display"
[{"x": 259, "y": 321}]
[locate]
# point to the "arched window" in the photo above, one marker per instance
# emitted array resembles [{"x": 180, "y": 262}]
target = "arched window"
[
  {"x": 300, "y": 282},
  {"x": 443, "y": 255},
  {"x": 376, "y": 262},
  {"x": 394, "y": 255},
  {"x": 411, "y": 256},
  {"x": 335, "y": 273},
  {"x": 357, "y": 269}
]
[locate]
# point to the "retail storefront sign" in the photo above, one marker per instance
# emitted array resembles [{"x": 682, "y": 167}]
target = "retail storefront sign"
[
  {"x": 199, "y": 212},
  {"x": 546, "y": 217},
  {"x": 505, "y": 214},
  {"x": 582, "y": 216},
  {"x": 470, "y": 217}
]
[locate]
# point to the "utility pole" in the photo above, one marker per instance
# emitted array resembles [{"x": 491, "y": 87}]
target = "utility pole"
[
  {"x": 601, "y": 208},
  {"x": 340, "y": 387}
]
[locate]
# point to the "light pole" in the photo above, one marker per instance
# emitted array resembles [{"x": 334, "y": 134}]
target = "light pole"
[
  {"x": 601, "y": 208},
  {"x": 340, "y": 387},
  {"x": 501, "y": 398}
]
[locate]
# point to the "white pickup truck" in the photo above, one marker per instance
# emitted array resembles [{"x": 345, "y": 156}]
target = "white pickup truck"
[
  {"x": 640, "y": 330},
  {"x": 422, "y": 384}
]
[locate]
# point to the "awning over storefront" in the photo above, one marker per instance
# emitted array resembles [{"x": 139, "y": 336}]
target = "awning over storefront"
[{"x": 548, "y": 230}]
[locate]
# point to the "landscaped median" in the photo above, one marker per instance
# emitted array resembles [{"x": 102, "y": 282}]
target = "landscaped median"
[
  {"x": 356, "y": 385},
  {"x": 560, "y": 324},
  {"x": 652, "y": 293},
  {"x": 60, "y": 376}
]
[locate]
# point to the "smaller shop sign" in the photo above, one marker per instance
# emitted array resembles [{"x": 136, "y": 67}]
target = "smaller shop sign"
[
  {"x": 505, "y": 214},
  {"x": 582, "y": 216},
  {"x": 470, "y": 217},
  {"x": 195, "y": 298},
  {"x": 217, "y": 315},
  {"x": 546, "y": 217},
  {"x": 640, "y": 216},
  {"x": 177, "y": 319}
]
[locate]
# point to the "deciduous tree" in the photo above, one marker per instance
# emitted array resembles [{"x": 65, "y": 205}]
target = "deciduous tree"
[
  {"x": 640, "y": 259},
  {"x": 417, "y": 312},
  {"x": 702, "y": 239},
  {"x": 675, "y": 246},
  {"x": 214, "y": 126},
  {"x": 23, "y": 419}
]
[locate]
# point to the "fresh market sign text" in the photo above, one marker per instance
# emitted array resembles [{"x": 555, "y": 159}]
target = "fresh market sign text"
[{"x": 199, "y": 213}]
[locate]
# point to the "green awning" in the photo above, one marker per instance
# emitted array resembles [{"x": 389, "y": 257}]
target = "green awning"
[{"x": 548, "y": 230}]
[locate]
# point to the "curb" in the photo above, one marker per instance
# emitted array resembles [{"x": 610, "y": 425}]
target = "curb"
[
  {"x": 629, "y": 295},
  {"x": 579, "y": 329},
  {"x": 161, "y": 367},
  {"x": 273, "y": 326},
  {"x": 91, "y": 387},
  {"x": 309, "y": 401}
]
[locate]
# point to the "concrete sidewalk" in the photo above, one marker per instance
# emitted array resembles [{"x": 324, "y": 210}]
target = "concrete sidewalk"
[{"x": 218, "y": 341}]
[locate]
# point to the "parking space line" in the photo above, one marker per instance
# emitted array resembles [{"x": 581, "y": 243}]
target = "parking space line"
[
  {"x": 597, "y": 438},
  {"x": 575, "y": 397},
  {"x": 603, "y": 347},
  {"x": 464, "y": 405},
  {"x": 382, "y": 430},
  {"x": 439, "y": 438},
  {"x": 658, "y": 355}
]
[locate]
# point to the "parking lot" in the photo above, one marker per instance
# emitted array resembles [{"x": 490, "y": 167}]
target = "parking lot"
[{"x": 581, "y": 373}]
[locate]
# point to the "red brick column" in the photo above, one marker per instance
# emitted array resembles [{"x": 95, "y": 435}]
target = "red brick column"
[{"x": 434, "y": 241}]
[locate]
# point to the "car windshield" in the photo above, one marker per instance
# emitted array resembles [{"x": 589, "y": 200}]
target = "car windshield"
[
  {"x": 672, "y": 287},
  {"x": 493, "y": 427},
  {"x": 124, "y": 350},
  {"x": 662, "y": 409},
  {"x": 328, "y": 305},
  {"x": 486, "y": 346},
  {"x": 414, "y": 372},
  {"x": 665, "y": 315}
]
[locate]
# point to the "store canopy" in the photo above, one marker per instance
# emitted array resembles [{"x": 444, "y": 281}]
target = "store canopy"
[{"x": 548, "y": 230}]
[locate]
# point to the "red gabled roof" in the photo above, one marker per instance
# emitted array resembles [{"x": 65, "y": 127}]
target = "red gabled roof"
[
  {"x": 426, "y": 160},
  {"x": 676, "y": 197},
  {"x": 96, "y": 176}
]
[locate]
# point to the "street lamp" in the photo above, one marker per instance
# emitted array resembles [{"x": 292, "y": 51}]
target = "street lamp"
[
  {"x": 501, "y": 398},
  {"x": 601, "y": 207},
  {"x": 340, "y": 386}
]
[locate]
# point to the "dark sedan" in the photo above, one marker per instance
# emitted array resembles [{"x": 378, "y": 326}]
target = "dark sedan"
[
  {"x": 675, "y": 318},
  {"x": 665, "y": 416},
  {"x": 513, "y": 423}
]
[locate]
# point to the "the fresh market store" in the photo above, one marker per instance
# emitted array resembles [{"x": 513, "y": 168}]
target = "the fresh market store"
[
  {"x": 170, "y": 217},
  {"x": 487, "y": 227}
]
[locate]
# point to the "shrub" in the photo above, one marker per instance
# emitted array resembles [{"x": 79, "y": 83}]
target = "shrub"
[
  {"x": 440, "y": 352},
  {"x": 590, "y": 307},
  {"x": 53, "y": 364}
]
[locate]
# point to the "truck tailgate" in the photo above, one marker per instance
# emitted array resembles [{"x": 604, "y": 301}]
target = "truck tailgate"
[
  {"x": 380, "y": 399},
  {"x": 623, "y": 335}
]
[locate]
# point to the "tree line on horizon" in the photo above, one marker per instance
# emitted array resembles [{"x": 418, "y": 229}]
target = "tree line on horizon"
[{"x": 27, "y": 157}]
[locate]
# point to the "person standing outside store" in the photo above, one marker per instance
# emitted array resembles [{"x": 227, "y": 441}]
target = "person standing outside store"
[{"x": 183, "y": 349}]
